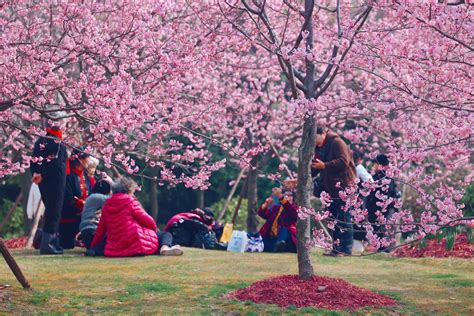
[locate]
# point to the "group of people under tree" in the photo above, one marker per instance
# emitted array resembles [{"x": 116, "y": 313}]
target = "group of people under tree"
[
  {"x": 110, "y": 221},
  {"x": 111, "y": 225}
]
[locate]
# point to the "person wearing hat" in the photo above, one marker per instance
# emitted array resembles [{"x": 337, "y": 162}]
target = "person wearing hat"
[
  {"x": 334, "y": 166},
  {"x": 381, "y": 162},
  {"x": 76, "y": 191},
  {"x": 49, "y": 173},
  {"x": 280, "y": 214}
]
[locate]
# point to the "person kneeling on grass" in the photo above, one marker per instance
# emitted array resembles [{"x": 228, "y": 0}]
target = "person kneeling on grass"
[
  {"x": 279, "y": 231},
  {"x": 127, "y": 229}
]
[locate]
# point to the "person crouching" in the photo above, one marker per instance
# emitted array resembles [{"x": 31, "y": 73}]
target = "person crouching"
[{"x": 279, "y": 231}]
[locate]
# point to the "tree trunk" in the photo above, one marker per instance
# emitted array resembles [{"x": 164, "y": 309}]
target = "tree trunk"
[
  {"x": 231, "y": 194},
  {"x": 200, "y": 199},
  {"x": 303, "y": 195},
  {"x": 252, "y": 200},
  {"x": 25, "y": 184},
  {"x": 13, "y": 265},
  {"x": 154, "y": 199}
]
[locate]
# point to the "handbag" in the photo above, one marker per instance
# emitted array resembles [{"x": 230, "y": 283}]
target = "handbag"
[{"x": 255, "y": 243}]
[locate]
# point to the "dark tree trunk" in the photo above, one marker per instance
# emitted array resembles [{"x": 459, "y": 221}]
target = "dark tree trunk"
[
  {"x": 252, "y": 198},
  {"x": 154, "y": 199},
  {"x": 304, "y": 191},
  {"x": 200, "y": 199},
  {"x": 304, "y": 188}
]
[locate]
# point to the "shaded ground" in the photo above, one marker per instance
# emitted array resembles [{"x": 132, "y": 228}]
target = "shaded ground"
[{"x": 196, "y": 282}]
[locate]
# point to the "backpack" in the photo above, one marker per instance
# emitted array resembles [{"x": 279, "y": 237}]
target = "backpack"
[{"x": 254, "y": 243}]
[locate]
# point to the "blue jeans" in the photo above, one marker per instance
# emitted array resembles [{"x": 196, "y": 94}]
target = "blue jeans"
[
  {"x": 344, "y": 230},
  {"x": 284, "y": 234}
]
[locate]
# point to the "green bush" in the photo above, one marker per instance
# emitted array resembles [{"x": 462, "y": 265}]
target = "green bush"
[
  {"x": 241, "y": 222},
  {"x": 14, "y": 227}
]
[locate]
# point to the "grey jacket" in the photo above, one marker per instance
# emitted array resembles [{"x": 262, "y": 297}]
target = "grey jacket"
[{"x": 92, "y": 210}]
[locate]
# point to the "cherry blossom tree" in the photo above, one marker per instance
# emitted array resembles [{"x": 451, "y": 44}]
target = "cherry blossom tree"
[
  {"x": 159, "y": 80},
  {"x": 400, "y": 71}
]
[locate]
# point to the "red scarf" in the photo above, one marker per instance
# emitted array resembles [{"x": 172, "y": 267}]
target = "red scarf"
[{"x": 55, "y": 132}]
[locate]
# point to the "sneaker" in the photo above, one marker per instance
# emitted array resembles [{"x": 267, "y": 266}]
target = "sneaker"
[{"x": 173, "y": 251}]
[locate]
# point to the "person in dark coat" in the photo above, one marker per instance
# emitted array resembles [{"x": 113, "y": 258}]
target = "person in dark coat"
[
  {"x": 280, "y": 214},
  {"x": 49, "y": 172},
  {"x": 334, "y": 164},
  {"x": 196, "y": 228},
  {"x": 381, "y": 162},
  {"x": 76, "y": 191}
]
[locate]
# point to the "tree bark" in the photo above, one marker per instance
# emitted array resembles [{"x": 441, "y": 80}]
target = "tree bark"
[
  {"x": 13, "y": 265},
  {"x": 231, "y": 194},
  {"x": 252, "y": 200},
  {"x": 304, "y": 188},
  {"x": 154, "y": 199},
  {"x": 200, "y": 199},
  {"x": 303, "y": 195}
]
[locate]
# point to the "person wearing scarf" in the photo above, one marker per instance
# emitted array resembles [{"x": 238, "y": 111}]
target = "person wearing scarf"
[
  {"x": 279, "y": 231},
  {"x": 76, "y": 191},
  {"x": 48, "y": 168}
]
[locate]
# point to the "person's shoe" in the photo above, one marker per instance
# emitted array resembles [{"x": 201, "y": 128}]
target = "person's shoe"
[
  {"x": 47, "y": 246},
  {"x": 220, "y": 246},
  {"x": 343, "y": 254},
  {"x": 173, "y": 251},
  {"x": 331, "y": 253},
  {"x": 90, "y": 253},
  {"x": 56, "y": 243},
  {"x": 280, "y": 246}
]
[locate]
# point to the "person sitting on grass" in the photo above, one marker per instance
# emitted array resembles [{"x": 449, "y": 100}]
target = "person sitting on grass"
[
  {"x": 279, "y": 231},
  {"x": 127, "y": 229},
  {"x": 92, "y": 210},
  {"x": 196, "y": 228}
]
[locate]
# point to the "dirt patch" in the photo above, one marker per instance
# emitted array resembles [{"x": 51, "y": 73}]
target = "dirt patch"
[
  {"x": 462, "y": 249},
  {"x": 289, "y": 290}
]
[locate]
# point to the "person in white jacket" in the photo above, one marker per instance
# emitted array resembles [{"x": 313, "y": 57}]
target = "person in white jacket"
[{"x": 361, "y": 171}]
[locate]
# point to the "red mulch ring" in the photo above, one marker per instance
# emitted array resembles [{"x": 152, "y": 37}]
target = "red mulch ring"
[
  {"x": 462, "y": 249},
  {"x": 290, "y": 290},
  {"x": 16, "y": 243}
]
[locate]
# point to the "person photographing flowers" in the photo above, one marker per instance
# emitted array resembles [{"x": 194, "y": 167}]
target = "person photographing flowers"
[{"x": 280, "y": 214}]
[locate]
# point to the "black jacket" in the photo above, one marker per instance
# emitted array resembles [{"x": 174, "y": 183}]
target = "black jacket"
[
  {"x": 53, "y": 166},
  {"x": 372, "y": 200}
]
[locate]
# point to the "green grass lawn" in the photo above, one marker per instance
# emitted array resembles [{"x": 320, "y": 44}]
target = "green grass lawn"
[{"x": 195, "y": 283}]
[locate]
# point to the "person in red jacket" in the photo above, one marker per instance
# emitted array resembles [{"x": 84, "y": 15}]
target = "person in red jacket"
[{"x": 127, "y": 229}]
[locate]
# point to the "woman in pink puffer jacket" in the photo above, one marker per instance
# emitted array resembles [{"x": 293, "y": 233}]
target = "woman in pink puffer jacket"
[{"x": 127, "y": 229}]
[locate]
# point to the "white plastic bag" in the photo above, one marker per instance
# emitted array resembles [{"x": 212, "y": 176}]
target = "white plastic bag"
[{"x": 238, "y": 241}]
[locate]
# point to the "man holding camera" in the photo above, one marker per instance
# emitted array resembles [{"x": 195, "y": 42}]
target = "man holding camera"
[{"x": 334, "y": 170}]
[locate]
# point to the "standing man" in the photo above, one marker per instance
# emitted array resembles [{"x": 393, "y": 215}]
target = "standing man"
[
  {"x": 49, "y": 172},
  {"x": 333, "y": 162}
]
